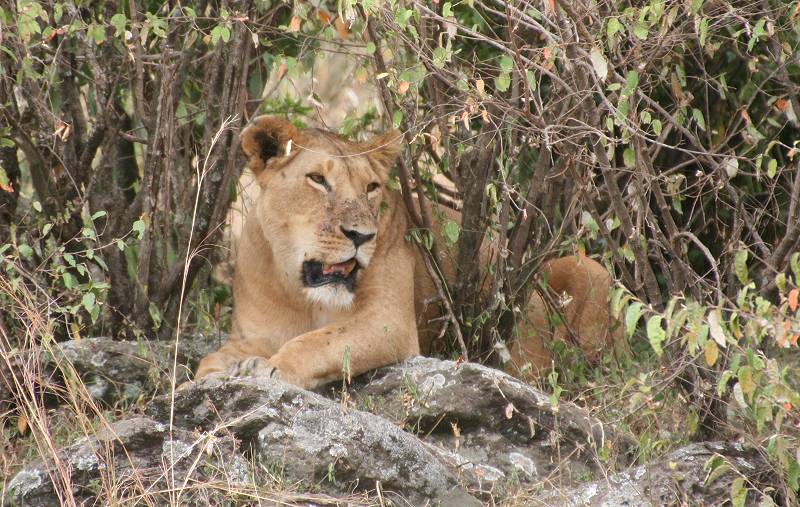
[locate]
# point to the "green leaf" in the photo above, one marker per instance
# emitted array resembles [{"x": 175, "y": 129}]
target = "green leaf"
[
  {"x": 738, "y": 492},
  {"x": 94, "y": 313},
  {"x": 506, "y": 63},
  {"x": 740, "y": 266},
  {"x": 655, "y": 333},
  {"x": 25, "y": 250},
  {"x": 138, "y": 228},
  {"x": 698, "y": 117},
  {"x": 640, "y": 31},
  {"x": 794, "y": 263},
  {"x": 447, "y": 9},
  {"x": 656, "y": 127},
  {"x": 88, "y": 301},
  {"x": 439, "y": 57},
  {"x": 794, "y": 475},
  {"x": 632, "y": 316},
  {"x": 614, "y": 27},
  {"x": 120, "y": 244},
  {"x": 780, "y": 282},
  {"x": 631, "y": 82},
  {"x": 629, "y": 157},
  {"x": 96, "y": 32},
  {"x": 155, "y": 314},
  {"x": 397, "y": 118},
  {"x": 37, "y": 206},
  {"x": 531, "y": 78},
  {"x": 370, "y": 48},
  {"x": 98, "y": 214},
  {"x": 502, "y": 82},
  {"x": 703, "y": 29},
  {"x": 118, "y": 21},
  {"x": 772, "y": 168},
  {"x": 220, "y": 32},
  {"x": 599, "y": 63},
  {"x": 451, "y": 231},
  {"x": 696, "y": 6},
  {"x": 69, "y": 280}
]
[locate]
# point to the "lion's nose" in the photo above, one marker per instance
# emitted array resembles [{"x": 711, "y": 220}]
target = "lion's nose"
[{"x": 356, "y": 237}]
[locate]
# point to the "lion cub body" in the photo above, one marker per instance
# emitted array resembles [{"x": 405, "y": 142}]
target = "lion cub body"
[{"x": 325, "y": 283}]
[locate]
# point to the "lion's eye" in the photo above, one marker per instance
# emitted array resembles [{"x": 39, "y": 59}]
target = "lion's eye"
[
  {"x": 373, "y": 186},
  {"x": 319, "y": 180}
]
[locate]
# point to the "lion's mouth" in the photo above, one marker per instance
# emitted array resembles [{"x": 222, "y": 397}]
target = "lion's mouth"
[{"x": 317, "y": 274}]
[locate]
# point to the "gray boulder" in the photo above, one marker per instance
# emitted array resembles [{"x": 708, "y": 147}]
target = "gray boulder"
[
  {"x": 697, "y": 474},
  {"x": 316, "y": 441},
  {"x": 130, "y": 458},
  {"x": 489, "y": 427},
  {"x": 114, "y": 370},
  {"x": 422, "y": 432}
]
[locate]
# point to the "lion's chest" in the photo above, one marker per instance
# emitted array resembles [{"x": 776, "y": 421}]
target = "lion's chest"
[{"x": 321, "y": 316}]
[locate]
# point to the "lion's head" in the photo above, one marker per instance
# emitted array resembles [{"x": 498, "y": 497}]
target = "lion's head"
[{"x": 319, "y": 205}]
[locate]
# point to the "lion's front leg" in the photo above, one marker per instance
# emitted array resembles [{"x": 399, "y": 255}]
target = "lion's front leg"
[
  {"x": 234, "y": 359},
  {"x": 336, "y": 351}
]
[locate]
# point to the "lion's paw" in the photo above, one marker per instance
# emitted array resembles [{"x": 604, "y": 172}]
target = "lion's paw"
[{"x": 253, "y": 367}]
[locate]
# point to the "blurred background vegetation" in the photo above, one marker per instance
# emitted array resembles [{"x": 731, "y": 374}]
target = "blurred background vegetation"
[{"x": 660, "y": 137}]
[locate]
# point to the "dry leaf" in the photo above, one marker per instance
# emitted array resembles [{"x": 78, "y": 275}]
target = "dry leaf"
[
  {"x": 456, "y": 429},
  {"x": 294, "y": 24},
  {"x": 465, "y": 119},
  {"x": 782, "y": 104},
  {"x": 509, "y": 410},
  {"x": 324, "y": 16},
  {"x": 62, "y": 130},
  {"x": 715, "y": 328},
  {"x": 711, "y": 352},
  {"x": 793, "y": 299},
  {"x": 485, "y": 116},
  {"x": 22, "y": 424},
  {"x": 675, "y": 85},
  {"x": 479, "y": 86},
  {"x": 402, "y": 87},
  {"x": 746, "y": 117},
  {"x": 341, "y": 28},
  {"x": 6, "y": 188}
]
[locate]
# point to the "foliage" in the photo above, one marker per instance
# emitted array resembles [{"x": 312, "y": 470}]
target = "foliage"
[{"x": 660, "y": 136}]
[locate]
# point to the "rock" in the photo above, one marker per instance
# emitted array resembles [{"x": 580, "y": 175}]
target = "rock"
[
  {"x": 489, "y": 426},
  {"x": 139, "y": 451},
  {"x": 314, "y": 440},
  {"x": 682, "y": 477},
  {"x": 114, "y": 370},
  {"x": 470, "y": 432}
]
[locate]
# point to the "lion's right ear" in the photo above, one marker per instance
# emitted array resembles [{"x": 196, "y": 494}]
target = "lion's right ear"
[{"x": 265, "y": 138}]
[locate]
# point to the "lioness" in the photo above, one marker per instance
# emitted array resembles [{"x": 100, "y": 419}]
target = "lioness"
[{"x": 325, "y": 280}]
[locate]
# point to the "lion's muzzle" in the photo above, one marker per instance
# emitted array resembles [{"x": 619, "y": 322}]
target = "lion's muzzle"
[{"x": 317, "y": 274}]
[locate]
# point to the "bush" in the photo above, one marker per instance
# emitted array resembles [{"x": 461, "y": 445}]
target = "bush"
[{"x": 659, "y": 136}]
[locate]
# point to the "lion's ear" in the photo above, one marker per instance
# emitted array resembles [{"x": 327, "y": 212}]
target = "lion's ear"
[
  {"x": 384, "y": 149},
  {"x": 266, "y": 137}
]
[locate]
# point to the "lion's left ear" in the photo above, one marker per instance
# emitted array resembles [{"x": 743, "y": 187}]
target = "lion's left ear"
[
  {"x": 384, "y": 149},
  {"x": 266, "y": 138}
]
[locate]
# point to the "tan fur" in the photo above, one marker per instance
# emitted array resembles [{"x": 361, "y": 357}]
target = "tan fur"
[{"x": 310, "y": 336}]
